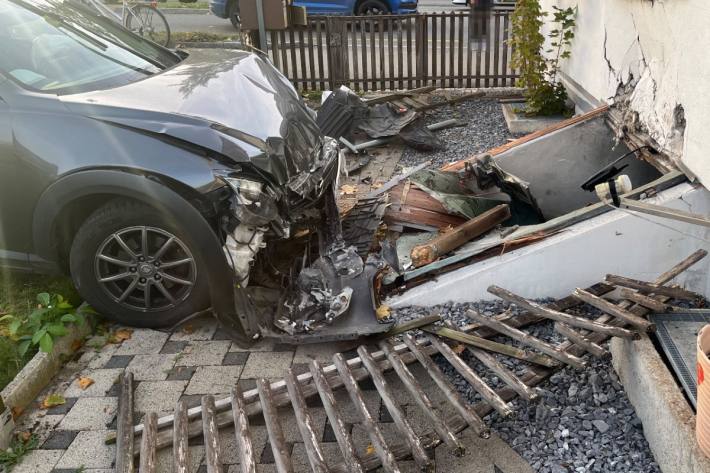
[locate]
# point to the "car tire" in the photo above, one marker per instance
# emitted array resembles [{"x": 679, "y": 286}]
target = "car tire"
[
  {"x": 112, "y": 271},
  {"x": 372, "y": 7},
  {"x": 234, "y": 15}
]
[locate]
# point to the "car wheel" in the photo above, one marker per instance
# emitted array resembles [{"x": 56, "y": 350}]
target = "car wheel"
[
  {"x": 234, "y": 15},
  {"x": 137, "y": 266},
  {"x": 372, "y": 7}
]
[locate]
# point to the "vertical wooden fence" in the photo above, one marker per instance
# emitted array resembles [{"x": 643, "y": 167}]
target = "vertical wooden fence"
[{"x": 448, "y": 50}]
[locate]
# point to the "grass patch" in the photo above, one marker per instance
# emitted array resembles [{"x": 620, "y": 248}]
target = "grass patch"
[
  {"x": 18, "y": 296},
  {"x": 200, "y": 37},
  {"x": 197, "y": 5},
  {"x": 13, "y": 455}
]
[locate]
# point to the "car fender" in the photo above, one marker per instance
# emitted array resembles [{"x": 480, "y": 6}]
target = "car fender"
[{"x": 146, "y": 189}]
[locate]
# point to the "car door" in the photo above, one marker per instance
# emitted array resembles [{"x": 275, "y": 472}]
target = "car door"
[
  {"x": 327, "y": 7},
  {"x": 13, "y": 243}
]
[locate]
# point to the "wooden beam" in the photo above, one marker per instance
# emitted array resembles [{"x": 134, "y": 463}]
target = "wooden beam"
[
  {"x": 669, "y": 291},
  {"x": 644, "y": 300},
  {"x": 210, "y": 431},
  {"x": 247, "y": 458},
  {"x": 581, "y": 340},
  {"x": 181, "y": 451},
  {"x": 147, "y": 459},
  {"x": 282, "y": 459},
  {"x": 614, "y": 310},
  {"x": 124, "y": 427}
]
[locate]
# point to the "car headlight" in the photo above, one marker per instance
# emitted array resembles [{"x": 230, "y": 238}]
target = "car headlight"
[
  {"x": 254, "y": 205},
  {"x": 248, "y": 190}
]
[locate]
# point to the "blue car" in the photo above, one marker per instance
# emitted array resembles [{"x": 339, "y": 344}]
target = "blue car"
[{"x": 230, "y": 8}]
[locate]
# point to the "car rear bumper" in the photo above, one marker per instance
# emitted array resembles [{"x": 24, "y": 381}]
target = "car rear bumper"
[{"x": 219, "y": 8}]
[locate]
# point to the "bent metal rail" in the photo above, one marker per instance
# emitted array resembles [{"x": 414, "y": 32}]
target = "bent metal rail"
[
  {"x": 584, "y": 335},
  {"x": 448, "y": 50}
]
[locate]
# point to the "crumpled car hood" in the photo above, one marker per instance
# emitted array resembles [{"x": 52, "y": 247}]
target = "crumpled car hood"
[{"x": 232, "y": 102}]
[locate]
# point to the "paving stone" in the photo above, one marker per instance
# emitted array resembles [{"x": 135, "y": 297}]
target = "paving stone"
[
  {"x": 59, "y": 440},
  {"x": 322, "y": 352},
  {"x": 39, "y": 423},
  {"x": 347, "y": 408},
  {"x": 181, "y": 373},
  {"x": 151, "y": 367},
  {"x": 213, "y": 380},
  {"x": 158, "y": 396},
  {"x": 90, "y": 413},
  {"x": 300, "y": 368},
  {"x": 202, "y": 328},
  {"x": 164, "y": 459},
  {"x": 171, "y": 347},
  {"x": 482, "y": 456},
  {"x": 267, "y": 454},
  {"x": 88, "y": 450},
  {"x": 103, "y": 380},
  {"x": 262, "y": 345},
  {"x": 267, "y": 365},
  {"x": 143, "y": 342},
  {"x": 38, "y": 461},
  {"x": 203, "y": 354},
  {"x": 229, "y": 448},
  {"x": 235, "y": 358},
  {"x": 192, "y": 400},
  {"x": 85, "y": 470},
  {"x": 299, "y": 457},
  {"x": 329, "y": 433},
  {"x": 247, "y": 384},
  {"x": 64, "y": 408},
  {"x": 221, "y": 334},
  {"x": 290, "y": 425},
  {"x": 96, "y": 359},
  {"x": 118, "y": 361}
]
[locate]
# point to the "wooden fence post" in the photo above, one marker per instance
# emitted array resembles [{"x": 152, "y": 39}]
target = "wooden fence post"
[{"x": 422, "y": 49}]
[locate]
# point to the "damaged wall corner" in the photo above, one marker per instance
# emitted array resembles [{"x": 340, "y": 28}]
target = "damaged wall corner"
[{"x": 649, "y": 60}]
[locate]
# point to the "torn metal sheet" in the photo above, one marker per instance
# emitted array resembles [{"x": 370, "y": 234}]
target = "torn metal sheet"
[
  {"x": 416, "y": 135},
  {"x": 384, "y": 120},
  {"x": 361, "y": 223},
  {"x": 340, "y": 113}
]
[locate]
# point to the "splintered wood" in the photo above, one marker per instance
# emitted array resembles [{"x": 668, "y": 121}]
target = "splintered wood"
[{"x": 624, "y": 318}]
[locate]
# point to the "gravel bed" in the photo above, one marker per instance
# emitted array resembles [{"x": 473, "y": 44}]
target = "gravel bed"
[
  {"x": 583, "y": 423},
  {"x": 485, "y": 129}
]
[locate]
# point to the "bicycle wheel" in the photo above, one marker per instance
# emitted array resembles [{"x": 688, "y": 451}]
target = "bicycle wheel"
[{"x": 149, "y": 22}]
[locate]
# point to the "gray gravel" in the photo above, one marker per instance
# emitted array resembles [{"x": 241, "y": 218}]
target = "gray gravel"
[
  {"x": 485, "y": 129},
  {"x": 584, "y": 421}
]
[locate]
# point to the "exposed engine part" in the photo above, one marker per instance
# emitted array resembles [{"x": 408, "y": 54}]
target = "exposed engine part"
[{"x": 241, "y": 247}]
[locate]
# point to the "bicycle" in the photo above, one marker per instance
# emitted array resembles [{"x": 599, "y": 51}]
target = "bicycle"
[{"x": 142, "y": 18}]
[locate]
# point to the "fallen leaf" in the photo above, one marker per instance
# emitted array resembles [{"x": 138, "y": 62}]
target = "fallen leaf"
[
  {"x": 119, "y": 336},
  {"x": 188, "y": 329},
  {"x": 370, "y": 450},
  {"x": 53, "y": 400},
  {"x": 76, "y": 344},
  {"x": 16, "y": 412},
  {"x": 383, "y": 311},
  {"x": 85, "y": 382},
  {"x": 458, "y": 349},
  {"x": 24, "y": 436},
  {"x": 347, "y": 189}
]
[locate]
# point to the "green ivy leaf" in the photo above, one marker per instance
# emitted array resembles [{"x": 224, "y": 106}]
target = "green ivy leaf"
[
  {"x": 57, "y": 330},
  {"x": 43, "y": 298},
  {"x": 69, "y": 318},
  {"x": 23, "y": 346},
  {"x": 38, "y": 335},
  {"x": 46, "y": 343}
]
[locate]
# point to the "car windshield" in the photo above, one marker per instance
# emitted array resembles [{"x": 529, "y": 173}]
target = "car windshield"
[{"x": 59, "y": 47}]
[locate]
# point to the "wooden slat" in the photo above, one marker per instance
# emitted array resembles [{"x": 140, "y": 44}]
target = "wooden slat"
[
  {"x": 210, "y": 431},
  {"x": 571, "y": 320},
  {"x": 500, "y": 370},
  {"x": 527, "y": 339},
  {"x": 400, "y": 53},
  {"x": 469, "y": 48},
  {"x": 302, "y": 52},
  {"x": 496, "y": 51},
  {"x": 612, "y": 309},
  {"x": 434, "y": 53},
  {"x": 644, "y": 286},
  {"x": 181, "y": 451},
  {"x": 506, "y": 32},
  {"x": 124, "y": 426},
  {"x": 282, "y": 459},
  {"x": 355, "y": 50},
  {"x": 247, "y": 458},
  {"x": 148, "y": 444},
  {"x": 305, "y": 425},
  {"x": 283, "y": 53},
  {"x": 390, "y": 52},
  {"x": 312, "y": 59},
  {"x": 368, "y": 423},
  {"x": 460, "y": 49},
  {"x": 421, "y": 458},
  {"x": 480, "y": 43},
  {"x": 471, "y": 377},
  {"x": 410, "y": 23},
  {"x": 381, "y": 47},
  {"x": 644, "y": 300},
  {"x": 422, "y": 400},
  {"x": 442, "y": 62},
  {"x": 340, "y": 430},
  {"x": 292, "y": 47},
  {"x": 452, "y": 395},
  {"x": 452, "y": 49},
  {"x": 321, "y": 64},
  {"x": 579, "y": 339}
]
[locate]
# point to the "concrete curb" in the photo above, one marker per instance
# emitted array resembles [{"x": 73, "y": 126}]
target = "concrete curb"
[
  {"x": 175, "y": 11},
  {"x": 40, "y": 370},
  {"x": 210, "y": 44},
  {"x": 668, "y": 421}
]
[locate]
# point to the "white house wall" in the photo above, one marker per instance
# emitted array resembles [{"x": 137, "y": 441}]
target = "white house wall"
[
  {"x": 659, "y": 52},
  {"x": 615, "y": 242}
]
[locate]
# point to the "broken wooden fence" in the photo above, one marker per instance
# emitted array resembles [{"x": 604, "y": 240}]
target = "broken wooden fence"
[
  {"x": 448, "y": 50},
  {"x": 583, "y": 335}
]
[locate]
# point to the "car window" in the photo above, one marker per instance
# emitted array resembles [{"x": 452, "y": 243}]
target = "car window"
[{"x": 59, "y": 47}]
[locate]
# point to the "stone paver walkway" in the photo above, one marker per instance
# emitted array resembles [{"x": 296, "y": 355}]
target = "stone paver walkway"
[{"x": 202, "y": 360}]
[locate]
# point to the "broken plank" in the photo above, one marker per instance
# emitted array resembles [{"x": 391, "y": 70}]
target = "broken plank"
[
  {"x": 644, "y": 300},
  {"x": 453, "y": 396},
  {"x": 340, "y": 430},
  {"x": 148, "y": 444},
  {"x": 581, "y": 340},
  {"x": 492, "y": 346},
  {"x": 442, "y": 244},
  {"x": 247, "y": 460},
  {"x": 422, "y": 400},
  {"x": 282, "y": 459},
  {"x": 561, "y": 316},
  {"x": 669, "y": 291},
  {"x": 368, "y": 423},
  {"x": 181, "y": 451},
  {"x": 305, "y": 425},
  {"x": 503, "y": 373},
  {"x": 527, "y": 339},
  {"x": 424, "y": 463},
  {"x": 614, "y": 310},
  {"x": 480, "y": 386},
  {"x": 210, "y": 431},
  {"x": 414, "y": 324},
  {"x": 124, "y": 426},
  {"x": 680, "y": 267}
]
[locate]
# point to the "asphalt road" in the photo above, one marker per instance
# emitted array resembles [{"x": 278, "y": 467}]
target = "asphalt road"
[{"x": 207, "y": 23}]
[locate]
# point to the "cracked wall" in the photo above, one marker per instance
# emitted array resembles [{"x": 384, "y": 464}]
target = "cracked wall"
[{"x": 651, "y": 60}]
